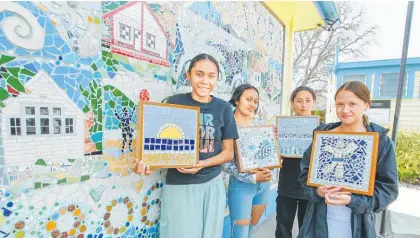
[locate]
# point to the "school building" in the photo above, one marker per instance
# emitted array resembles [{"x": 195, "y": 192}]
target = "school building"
[{"x": 381, "y": 77}]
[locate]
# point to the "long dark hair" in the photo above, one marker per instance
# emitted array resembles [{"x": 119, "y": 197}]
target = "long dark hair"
[
  {"x": 360, "y": 90},
  {"x": 203, "y": 56},
  {"x": 237, "y": 93}
]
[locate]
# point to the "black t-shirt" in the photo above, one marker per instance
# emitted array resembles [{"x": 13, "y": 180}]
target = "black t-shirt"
[{"x": 217, "y": 123}]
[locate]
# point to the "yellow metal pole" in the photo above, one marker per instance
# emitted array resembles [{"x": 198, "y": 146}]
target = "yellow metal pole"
[{"x": 288, "y": 69}]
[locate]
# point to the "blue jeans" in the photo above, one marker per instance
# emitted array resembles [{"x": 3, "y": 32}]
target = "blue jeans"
[{"x": 241, "y": 198}]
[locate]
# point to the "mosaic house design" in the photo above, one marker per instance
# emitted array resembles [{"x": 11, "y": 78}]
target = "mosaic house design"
[
  {"x": 346, "y": 160},
  {"x": 295, "y": 134},
  {"x": 71, "y": 77},
  {"x": 257, "y": 148},
  {"x": 169, "y": 135}
]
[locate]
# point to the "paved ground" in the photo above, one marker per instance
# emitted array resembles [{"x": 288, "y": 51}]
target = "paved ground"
[
  {"x": 405, "y": 213},
  {"x": 404, "y": 218},
  {"x": 267, "y": 229}
]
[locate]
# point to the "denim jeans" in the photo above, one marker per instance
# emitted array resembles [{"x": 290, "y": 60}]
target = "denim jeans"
[{"x": 241, "y": 198}]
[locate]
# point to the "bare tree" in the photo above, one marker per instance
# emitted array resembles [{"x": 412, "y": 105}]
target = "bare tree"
[{"x": 315, "y": 51}]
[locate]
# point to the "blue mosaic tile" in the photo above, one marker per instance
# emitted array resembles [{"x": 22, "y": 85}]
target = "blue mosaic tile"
[
  {"x": 111, "y": 74},
  {"x": 47, "y": 67},
  {"x": 97, "y": 75},
  {"x": 53, "y": 51},
  {"x": 21, "y": 51},
  {"x": 5, "y": 45},
  {"x": 30, "y": 67},
  {"x": 96, "y": 137},
  {"x": 86, "y": 61},
  {"x": 127, "y": 66},
  {"x": 59, "y": 79},
  {"x": 65, "y": 49},
  {"x": 37, "y": 54}
]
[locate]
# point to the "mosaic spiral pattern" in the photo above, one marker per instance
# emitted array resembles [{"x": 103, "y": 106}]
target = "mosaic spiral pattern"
[
  {"x": 78, "y": 227},
  {"x": 113, "y": 228}
]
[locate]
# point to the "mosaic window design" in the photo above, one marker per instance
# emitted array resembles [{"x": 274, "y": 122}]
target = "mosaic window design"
[
  {"x": 30, "y": 126},
  {"x": 44, "y": 111},
  {"x": 257, "y": 148},
  {"x": 30, "y": 121},
  {"x": 137, "y": 34},
  {"x": 56, "y": 111},
  {"x": 45, "y": 126},
  {"x": 69, "y": 126},
  {"x": 125, "y": 31},
  {"x": 15, "y": 127},
  {"x": 57, "y": 126},
  {"x": 295, "y": 134},
  {"x": 169, "y": 134},
  {"x": 150, "y": 41},
  {"x": 346, "y": 160},
  {"x": 43, "y": 121},
  {"x": 30, "y": 110}
]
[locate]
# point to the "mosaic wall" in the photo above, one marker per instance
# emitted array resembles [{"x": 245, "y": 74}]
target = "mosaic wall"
[{"x": 71, "y": 75}]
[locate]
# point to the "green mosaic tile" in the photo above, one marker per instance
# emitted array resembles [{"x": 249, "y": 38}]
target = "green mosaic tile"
[{"x": 5, "y": 59}]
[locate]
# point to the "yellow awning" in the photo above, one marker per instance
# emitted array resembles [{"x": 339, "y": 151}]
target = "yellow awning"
[{"x": 302, "y": 16}]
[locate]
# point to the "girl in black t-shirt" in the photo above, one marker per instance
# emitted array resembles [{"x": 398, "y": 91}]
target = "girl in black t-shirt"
[{"x": 194, "y": 199}]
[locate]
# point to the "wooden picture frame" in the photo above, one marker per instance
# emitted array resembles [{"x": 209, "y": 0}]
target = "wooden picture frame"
[
  {"x": 163, "y": 151},
  {"x": 294, "y": 134},
  {"x": 254, "y": 137},
  {"x": 345, "y": 159}
]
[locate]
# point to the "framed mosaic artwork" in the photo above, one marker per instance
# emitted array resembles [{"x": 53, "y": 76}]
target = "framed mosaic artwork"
[
  {"x": 168, "y": 135},
  {"x": 295, "y": 134},
  {"x": 257, "y": 148},
  {"x": 343, "y": 159}
]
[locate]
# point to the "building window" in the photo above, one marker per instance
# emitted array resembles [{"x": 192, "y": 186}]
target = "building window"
[
  {"x": 45, "y": 126},
  {"x": 388, "y": 85},
  {"x": 69, "y": 126},
  {"x": 43, "y": 111},
  {"x": 57, "y": 125},
  {"x": 30, "y": 126},
  {"x": 125, "y": 32},
  {"x": 57, "y": 111},
  {"x": 137, "y": 34},
  {"x": 360, "y": 78},
  {"x": 15, "y": 127},
  {"x": 150, "y": 41},
  {"x": 30, "y": 111},
  {"x": 41, "y": 120},
  {"x": 30, "y": 121}
]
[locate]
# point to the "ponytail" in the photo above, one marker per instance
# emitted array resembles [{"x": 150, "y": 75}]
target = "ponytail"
[{"x": 365, "y": 120}]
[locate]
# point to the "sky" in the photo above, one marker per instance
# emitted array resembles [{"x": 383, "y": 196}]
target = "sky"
[{"x": 390, "y": 17}]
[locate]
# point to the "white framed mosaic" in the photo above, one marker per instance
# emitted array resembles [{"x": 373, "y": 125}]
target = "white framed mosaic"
[
  {"x": 257, "y": 148},
  {"x": 295, "y": 134}
]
